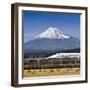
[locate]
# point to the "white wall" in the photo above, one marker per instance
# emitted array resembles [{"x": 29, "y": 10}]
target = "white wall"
[{"x": 5, "y": 45}]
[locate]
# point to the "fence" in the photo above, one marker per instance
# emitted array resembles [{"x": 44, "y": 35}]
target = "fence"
[{"x": 46, "y": 63}]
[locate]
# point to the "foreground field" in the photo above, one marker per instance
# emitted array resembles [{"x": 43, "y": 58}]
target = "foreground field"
[{"x": 51, "y": 72}]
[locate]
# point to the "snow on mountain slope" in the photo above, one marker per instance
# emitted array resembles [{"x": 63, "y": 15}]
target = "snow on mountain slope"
[{"x": 52, "y": 33}]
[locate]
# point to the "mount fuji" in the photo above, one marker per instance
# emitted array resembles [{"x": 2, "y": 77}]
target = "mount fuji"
[
  {"x": 49, "y": 42},
  {"x": 52, "y": 33}
]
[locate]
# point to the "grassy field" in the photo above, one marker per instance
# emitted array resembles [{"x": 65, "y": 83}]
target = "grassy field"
[{"x": 51, "y": 72}]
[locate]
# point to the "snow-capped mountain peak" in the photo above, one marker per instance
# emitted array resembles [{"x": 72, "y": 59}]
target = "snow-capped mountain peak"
[{"x": 52, "y": 33}]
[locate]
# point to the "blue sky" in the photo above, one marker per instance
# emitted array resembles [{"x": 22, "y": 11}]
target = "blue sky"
[{"x": 36, "y": 22}]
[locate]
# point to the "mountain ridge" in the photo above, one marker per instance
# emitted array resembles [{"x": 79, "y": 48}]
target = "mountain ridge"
[{"x": 55, "y": 41}]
